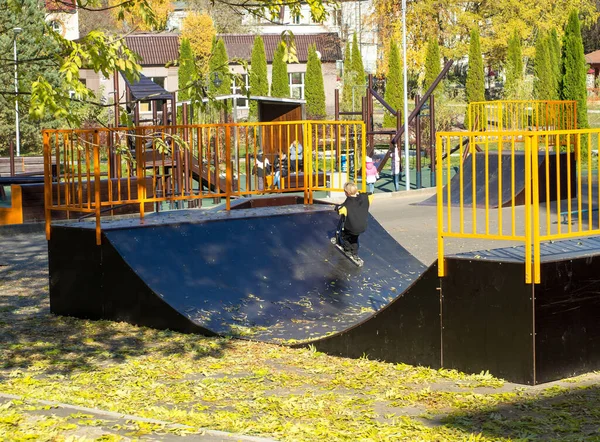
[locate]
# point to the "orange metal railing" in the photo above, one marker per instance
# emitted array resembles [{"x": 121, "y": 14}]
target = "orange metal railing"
[
  {"x": 100, "y": 170},
  {"x": 525, "y": 187}
]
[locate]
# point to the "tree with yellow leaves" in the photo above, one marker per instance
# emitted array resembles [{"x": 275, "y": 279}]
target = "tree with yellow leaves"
[
  {"x": 452, "y": 21},
  {"x": 200, "y": 30},
  {"x": 132, "y": 20}
]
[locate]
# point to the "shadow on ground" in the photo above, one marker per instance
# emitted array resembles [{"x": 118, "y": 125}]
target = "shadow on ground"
[
  {"x": 31, "y": 336},
  {"x": 555, "y": 413}
]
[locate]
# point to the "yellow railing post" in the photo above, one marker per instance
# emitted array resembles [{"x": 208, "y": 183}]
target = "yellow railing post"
[
  {"x": 500, "y": 113},
  {"x": 308, "y": 161},
  {"x": 528, "y": 196},
  {"x": 534, "y": 142},
  {"x": 440, "y": 204},
  {"x": 363, "y": 155}
]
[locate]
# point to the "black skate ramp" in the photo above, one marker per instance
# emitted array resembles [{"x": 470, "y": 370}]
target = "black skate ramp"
[
  {"x": 271, "y": 274},
  {"x": 527, "y": 333},
  {"x": 513, "y": 180},
  {"x": 268, "y": 274}
]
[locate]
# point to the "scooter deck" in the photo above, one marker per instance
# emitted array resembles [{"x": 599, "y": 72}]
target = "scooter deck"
[{"x": 356, "y": 260}]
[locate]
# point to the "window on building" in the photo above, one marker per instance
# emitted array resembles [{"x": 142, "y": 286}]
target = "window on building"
[
  {"x": 58, "y": 27},
  {"x": 238, "y": 85},
  {"x": 146, "y": 106},
  {"x": 296, "y": 19},
  {"x": 336, "y": 17},
  {"x": 73, "y": 94},
  {"x": 297, "y": 85}
]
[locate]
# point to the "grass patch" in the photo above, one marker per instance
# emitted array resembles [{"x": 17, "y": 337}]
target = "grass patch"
[{"x": 268, "y": 390}]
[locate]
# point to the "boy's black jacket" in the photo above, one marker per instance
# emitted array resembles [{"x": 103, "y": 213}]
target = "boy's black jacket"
[{"x": 358, "y": 213}]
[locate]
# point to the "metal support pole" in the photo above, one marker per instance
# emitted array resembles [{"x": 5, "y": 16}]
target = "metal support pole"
[
  {"x": 432, "y": 154},
  {"x": 406, "y": 140},
  {"x": 398, "y": 129},
  {"x": 17, "y": 128},
  {"x": 370, "y": 124},
  {"x": 11, "y": 153},
  {"x": 336, "y": 99},
  {"x": 116, "y": 99},
  {"x": 418, "y": 146}
]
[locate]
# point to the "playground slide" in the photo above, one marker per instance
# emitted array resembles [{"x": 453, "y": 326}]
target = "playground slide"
[{"x": 216, "y": 183}]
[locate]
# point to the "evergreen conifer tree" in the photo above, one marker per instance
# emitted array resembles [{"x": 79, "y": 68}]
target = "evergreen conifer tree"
[
  {"x": 514, "y": 67},
  {"x": 394, "y": 85},
  {"x": 555, "y": 62},
  {"x": 259, "y": 83},
  {"x": 358, "y": 68},
  {"x": 280, "y": 85},
  {"x": 314, "y": 91},
  {"x": 574, "y": 69},
  {"x": 348, "y": 82},
  {"x": 219, "y": 66},
  {"x": 432, "y": 66},
  {"x": 475, "y": 87},
  {"x": 187, "y": 69},
  {"x": 543, "y": 82}
]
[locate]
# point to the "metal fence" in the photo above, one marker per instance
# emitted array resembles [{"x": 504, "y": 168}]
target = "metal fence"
[
  {"x": 527, "y": 187},
  {"x": 517, "y": 115},
  {"x": 100, "y": 170}
]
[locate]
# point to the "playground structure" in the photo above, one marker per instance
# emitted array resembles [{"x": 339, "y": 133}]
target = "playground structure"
[{"x": 424, "y": 107}]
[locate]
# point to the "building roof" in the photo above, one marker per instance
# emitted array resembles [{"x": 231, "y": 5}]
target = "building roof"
[
  {"x": 593, "y": 57},
  {"x": 154, "y": 49},
  {"x": 253, "y": 98},
  {"x": 60, "y": 6},
  {"x": 328, "y": 44},
  {"x": 146, "y": 90},
  {"x": 160, "y": 49}
]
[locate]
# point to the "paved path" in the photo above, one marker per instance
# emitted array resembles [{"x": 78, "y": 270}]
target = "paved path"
[{"x": 415, "y": 227}]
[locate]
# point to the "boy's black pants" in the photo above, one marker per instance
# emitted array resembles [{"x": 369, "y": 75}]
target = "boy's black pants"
[{"x": 350, "y": 242}]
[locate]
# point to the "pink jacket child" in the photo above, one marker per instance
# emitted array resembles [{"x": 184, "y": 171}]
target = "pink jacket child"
[{"x": 372, "y": 175}]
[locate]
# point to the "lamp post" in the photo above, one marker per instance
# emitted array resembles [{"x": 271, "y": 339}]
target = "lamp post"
[{"x": 17, "y": 31}]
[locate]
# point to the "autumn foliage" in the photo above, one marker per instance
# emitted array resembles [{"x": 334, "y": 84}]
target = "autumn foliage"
[{"x": 199, "y": 29}]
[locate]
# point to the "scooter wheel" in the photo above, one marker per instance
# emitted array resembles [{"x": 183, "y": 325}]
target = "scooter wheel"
[{"x": 333, "y": 240}]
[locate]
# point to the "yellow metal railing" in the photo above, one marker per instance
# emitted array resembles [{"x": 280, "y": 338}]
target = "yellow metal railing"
[
  {"x": 521, "y": 186},
  {"x": 104, "y": 170},
  {"x": 522, "y": 115}
]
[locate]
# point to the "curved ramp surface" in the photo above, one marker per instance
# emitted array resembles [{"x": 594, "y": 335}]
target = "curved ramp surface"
[
  {"x": 269, "y": 274},
  {"x": 506, "y": 180}
]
